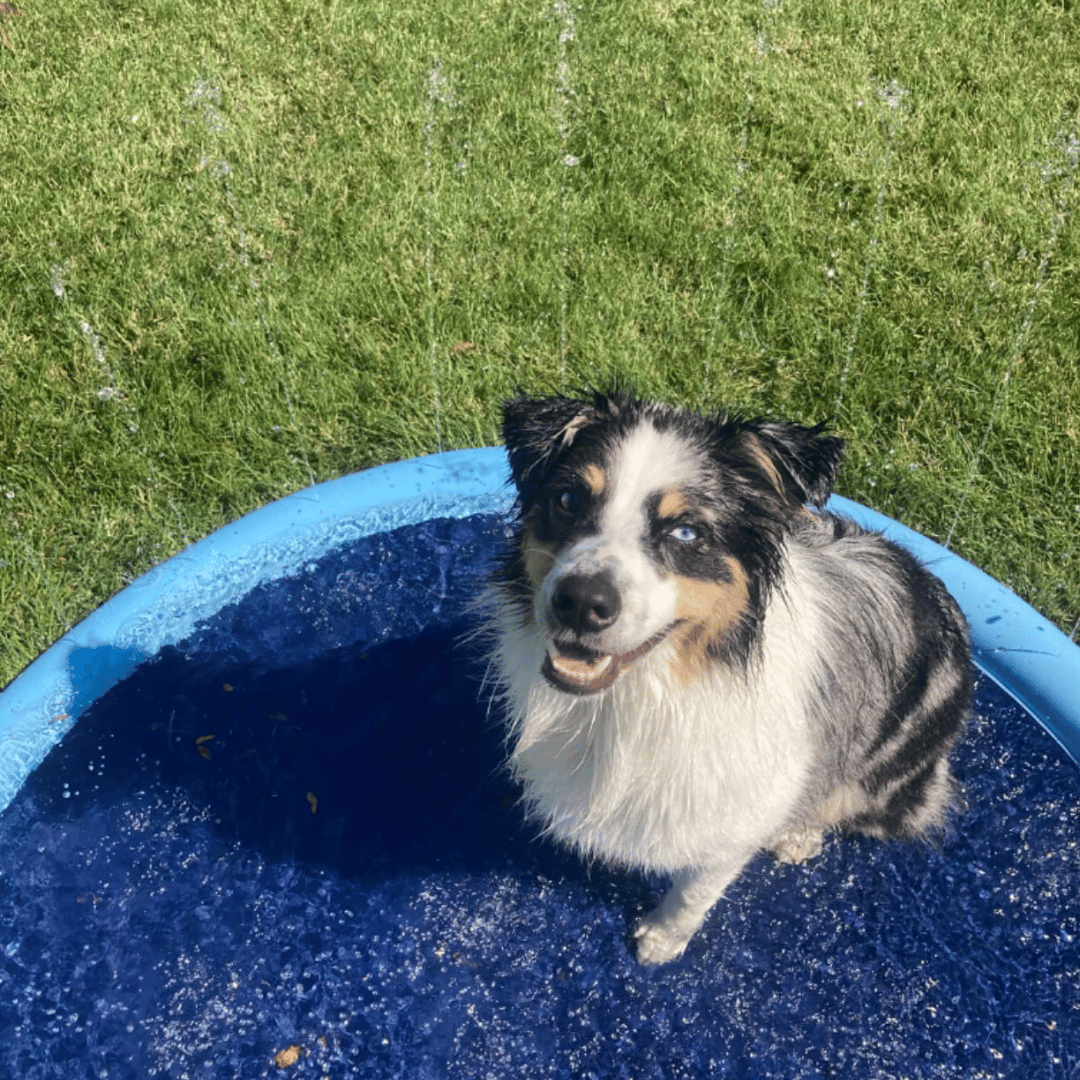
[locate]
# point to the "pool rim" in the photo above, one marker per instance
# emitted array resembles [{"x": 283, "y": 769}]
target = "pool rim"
[{"x": 1020, "y": 650}]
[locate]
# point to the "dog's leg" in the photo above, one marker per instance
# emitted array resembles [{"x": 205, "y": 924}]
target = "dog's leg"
[
  {"x": 663, "y": 934},
  {"x": 803, "y": 841}
]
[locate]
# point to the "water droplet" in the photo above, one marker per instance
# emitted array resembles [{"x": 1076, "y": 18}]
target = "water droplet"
[{"x": 56, "y": 278}]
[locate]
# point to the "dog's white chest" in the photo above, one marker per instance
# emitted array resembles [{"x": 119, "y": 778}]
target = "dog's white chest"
[{"x": 646, "y": 778}]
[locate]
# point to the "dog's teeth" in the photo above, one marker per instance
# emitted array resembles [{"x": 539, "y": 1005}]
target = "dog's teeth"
[
  {"x": 577, "y": 669},
  {"x": 581, "y": 671}
]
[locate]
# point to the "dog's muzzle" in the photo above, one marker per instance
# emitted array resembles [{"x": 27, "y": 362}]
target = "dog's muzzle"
[{"x": 587, "y": 604}]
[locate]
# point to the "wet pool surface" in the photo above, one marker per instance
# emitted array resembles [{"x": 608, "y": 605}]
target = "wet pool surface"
[{"x": 288, "y": 848}]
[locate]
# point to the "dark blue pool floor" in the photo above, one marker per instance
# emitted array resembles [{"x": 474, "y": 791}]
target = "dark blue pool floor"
[{"x": 295, "y": 832}]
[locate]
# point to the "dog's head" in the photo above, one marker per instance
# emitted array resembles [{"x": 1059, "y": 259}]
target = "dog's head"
[{"x": 642, "y": 524}]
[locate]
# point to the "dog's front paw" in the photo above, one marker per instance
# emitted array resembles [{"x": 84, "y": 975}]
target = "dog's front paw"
[
  {"x": 658, "y": 941},
  {"x": 798, "y": 845}
]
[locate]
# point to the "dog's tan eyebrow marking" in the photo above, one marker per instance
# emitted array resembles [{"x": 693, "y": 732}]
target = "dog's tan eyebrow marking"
[
  {"x": 673, "y": 504},
  {"x": 594, "y": 478}
]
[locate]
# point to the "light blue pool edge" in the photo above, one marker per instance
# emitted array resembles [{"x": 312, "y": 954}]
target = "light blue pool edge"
[{"x": 1020, "y": 650}]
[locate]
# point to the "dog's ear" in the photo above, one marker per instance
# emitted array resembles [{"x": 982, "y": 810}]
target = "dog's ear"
[
  {"x": 537, "y": 431},
  {"x": 801, "y": 462}
]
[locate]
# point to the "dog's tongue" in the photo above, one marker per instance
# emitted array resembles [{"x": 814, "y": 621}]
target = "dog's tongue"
[{"x": 579, "y": 670}]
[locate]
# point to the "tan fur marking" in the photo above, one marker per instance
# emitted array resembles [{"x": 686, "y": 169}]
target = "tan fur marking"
[
  {"x": 707, "y": 609},
  {"x": 594, "y": 479},
  {"x": 673, "y": 503},
  {"x": 571, "y": 429},
  {"x": 768, "y": 466},
  {"x": 536, "y": 557}
]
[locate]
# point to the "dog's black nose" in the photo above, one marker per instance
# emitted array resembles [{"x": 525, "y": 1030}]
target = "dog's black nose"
[{"x": 586, "y": 603}]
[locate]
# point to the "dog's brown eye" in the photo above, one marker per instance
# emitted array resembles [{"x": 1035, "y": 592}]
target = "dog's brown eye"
[{"x": 570, "y": 501}]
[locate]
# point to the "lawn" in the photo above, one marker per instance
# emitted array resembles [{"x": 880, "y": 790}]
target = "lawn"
[{"x": 250, "y": 247}]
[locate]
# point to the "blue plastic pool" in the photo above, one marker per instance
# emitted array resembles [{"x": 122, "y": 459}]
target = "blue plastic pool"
[{"x": 279, "y": 841}]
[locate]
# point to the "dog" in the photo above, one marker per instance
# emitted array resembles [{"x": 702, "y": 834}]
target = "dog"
[{"x": 695, "y": 666}]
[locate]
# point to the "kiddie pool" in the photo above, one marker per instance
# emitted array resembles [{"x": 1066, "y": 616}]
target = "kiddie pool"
[{"x": 255, "y": 824}]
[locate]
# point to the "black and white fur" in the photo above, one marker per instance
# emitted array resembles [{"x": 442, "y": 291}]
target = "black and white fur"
[{"x": 695, "y": 666}]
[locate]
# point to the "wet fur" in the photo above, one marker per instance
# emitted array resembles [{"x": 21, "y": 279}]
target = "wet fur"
[{"x": 810, "y": 675}]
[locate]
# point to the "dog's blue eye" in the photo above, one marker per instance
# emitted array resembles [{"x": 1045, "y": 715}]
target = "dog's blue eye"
[{"x": 685, "y": 534}]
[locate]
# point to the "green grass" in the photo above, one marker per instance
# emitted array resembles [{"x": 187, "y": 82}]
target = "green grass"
[{"x": 308, "y": 238}]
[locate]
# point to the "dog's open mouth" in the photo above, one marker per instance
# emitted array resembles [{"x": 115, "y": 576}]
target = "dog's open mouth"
[{"x": 577, "y": 669}]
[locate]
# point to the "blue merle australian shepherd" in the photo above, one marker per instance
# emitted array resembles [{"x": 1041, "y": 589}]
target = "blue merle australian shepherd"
[{"x": 696, "y": 666}]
